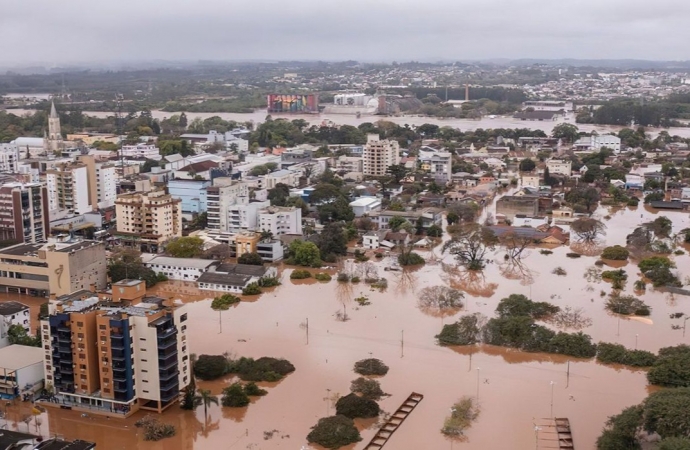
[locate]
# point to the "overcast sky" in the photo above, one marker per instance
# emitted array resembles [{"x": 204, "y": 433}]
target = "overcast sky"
[{"x": 59, "y": 32}]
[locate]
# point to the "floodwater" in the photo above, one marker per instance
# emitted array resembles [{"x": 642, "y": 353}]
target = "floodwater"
[
  {"x": 259, "y": 116},
  {"x": 514, "y": 388}
]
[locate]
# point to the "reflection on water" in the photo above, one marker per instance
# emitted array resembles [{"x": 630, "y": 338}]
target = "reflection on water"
[{"x": 513, "y": 387}]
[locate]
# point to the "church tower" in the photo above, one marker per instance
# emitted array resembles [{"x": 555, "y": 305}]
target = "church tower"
[{"x": 54, "y": 133}]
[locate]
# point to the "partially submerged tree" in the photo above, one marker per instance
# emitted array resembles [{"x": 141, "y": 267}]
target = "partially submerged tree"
[
  {"x": 672, "y": 367},
  {"x": 371, "y": 366},
  {"x": 627, "y": 305},
  {"x": 515, "y": 244},
  {"x": 354, "y": 407},
  {"x": 234, "y": 396},
  {"x": 469, "y": 244},
  {"x": 588, "y": 229},
  {"x": 367, "y": 388},
  {"x": 440, "y": 301},
  {"x": 334, "y": 432},
  {"x": 518, "y": 305},
  {"x": 462, "y": 414},
  {"x": 466, "y": 331}
]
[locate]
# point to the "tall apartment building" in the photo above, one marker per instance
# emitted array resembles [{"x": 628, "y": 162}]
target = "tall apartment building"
[
  {"x": 442, "y": 167},
  {"x": 9, "y": 158},
  {"x": 24, "y": 213},
  {"x": 82, "y": 186},
  {"x": 280, "y": 220},
  {"x": 116, "y": 353},
  {"x": 148, "y": 219},
  {"x": 378, "y": 155},
  {"x": 58, "y": 268},
  {"x": 219, "y": 199}
]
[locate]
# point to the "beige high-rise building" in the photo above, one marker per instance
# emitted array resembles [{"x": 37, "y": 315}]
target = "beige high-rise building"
[
  {"x": 379, "y": 155},
  {"x": 147, "y": 219},
  {"x": 114, "y": 354}
]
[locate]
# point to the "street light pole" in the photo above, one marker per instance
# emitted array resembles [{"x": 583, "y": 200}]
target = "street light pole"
[
  {"x": 636, "y": 336},
  {"x": 478, "y": 369},
  {"x": 552, "y": 385},
  {"x": 685, "y": 321}
]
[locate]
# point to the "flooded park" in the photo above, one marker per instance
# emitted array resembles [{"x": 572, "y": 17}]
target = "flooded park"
[{"x": 300, "y": 321}]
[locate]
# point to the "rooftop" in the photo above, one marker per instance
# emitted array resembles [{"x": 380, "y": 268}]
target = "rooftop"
[
  {"x": 229, "y": 279},
  {"x": 181, "y": 262},
  {"x": 242, "y": 269},
  {"x": 22, "y": 250},
  {"x": 9, "y": 308},
  {"x": 59, "y": 444},
  {"x": 365, "y": 201},
  {"x": 15, "y": 357}
]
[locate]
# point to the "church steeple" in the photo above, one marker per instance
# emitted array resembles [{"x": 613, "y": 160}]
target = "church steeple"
[{"x": 54, "y": 131}]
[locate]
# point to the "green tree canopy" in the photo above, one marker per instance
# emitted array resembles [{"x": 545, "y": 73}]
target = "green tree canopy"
[{"x": 185, "y": 247}]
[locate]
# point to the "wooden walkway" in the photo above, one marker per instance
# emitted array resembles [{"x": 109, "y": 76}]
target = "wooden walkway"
[
  {"x": 554, "y": 434},
  {"x": 394, "y": 422}
]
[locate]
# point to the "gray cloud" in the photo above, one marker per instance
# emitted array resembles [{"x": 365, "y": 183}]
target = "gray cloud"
[{"x": 81, "y": 31}]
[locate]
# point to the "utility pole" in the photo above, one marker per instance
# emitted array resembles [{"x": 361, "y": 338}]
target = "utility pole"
[
  {"x": 478, "y": 369},
  {"x": 552, "y": 385},
  {"x": 307, "y": 330},
  {"x": 402, "y": 343}
]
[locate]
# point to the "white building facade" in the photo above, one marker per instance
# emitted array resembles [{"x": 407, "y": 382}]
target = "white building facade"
[
  {"x": 147, "y": 151},
  {"x": 379, "y": 155},
  {"x": 560, "y": 167},
  {"x": 9, "y": 158},
  {"x": 280, "y": 220}
]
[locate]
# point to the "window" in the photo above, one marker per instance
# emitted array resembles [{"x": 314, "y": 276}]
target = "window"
[
  {"x": 80, "y": 324},
  {"x": 144, "y": 370},
  {"x": 102, "y": 327},
  {"x": 183, "y": 317}
]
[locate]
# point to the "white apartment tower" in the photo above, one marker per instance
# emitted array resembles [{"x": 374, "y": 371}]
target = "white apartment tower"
[{"x": 378, "y": 155}]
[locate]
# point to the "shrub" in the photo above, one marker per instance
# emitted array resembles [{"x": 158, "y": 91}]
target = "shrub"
[
  {"x": 343, "y": 277},
  {"x": 323, "y": 276},
  {"x": 266, "y": 282},
  {"x": 578, "y": 344},
  {"x": 627, "y": 305},
  {"x": 210, "y": 367},
  {"x": 465, "y": 331},
  {"x": 382, "y": 283},
  {"x": 560, "y": 271},
  {"x": 334, "y": 432},
  {"x": 617, "y": 277},
  {"x": 371, "y": 366},
  {"x": 367, "y": 388},
  {"x": 251, "y": 258},
  {"x": 679, "y": 252},
  {"x": 674, "y": 443},
  {"x": 640, "y": 285},
  {"x": 262, "y": 369},
  {"x": 573, "y": 255},
  {"x": 234, "y": 396},
  {"x": 378, "y": 255},
  {"x": 463, "y": 413},
  {"x": 252, "y": 289},
  {"x": 354, "y": 407},
  {"x": 658, "y": 270},
  {"x": 672, "y": 367},
  {"x": 546, "y": 252},
  {"x": 224, "y": 302},
  {"x": 300, "y": 274},
  {"x": 360, "y": 256},
  {"x": 633, "y": 201},
  {"x": 154, "y": 430},
  {"x": 363, "y": 300},
  {"x": 616, "y": 253},
  {"x": 252, "y": 390},
  {"x": 355, "y": 279},
  {"x": 617, "y": 354},
  {"x": 410, "y": 259},
  {"x": 519, "y": 305}
]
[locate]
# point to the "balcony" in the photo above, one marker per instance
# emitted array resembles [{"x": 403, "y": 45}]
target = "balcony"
[
  {"x": 166, "y": 344},
  {"x": 170, "y": 394},
  {"x": 117, "y": 345},
  {"x": 168, "y": 375},
  {"x": 166, "y": 364},
  {"x": 167, "y": 353},
  {"x": 162, "y": 334},
  {"x": 118, "y": 355},
  {"x": 120, "y": 387}
]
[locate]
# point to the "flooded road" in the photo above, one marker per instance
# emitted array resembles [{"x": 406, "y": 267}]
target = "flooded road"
[{"x": 514, "y": 388}]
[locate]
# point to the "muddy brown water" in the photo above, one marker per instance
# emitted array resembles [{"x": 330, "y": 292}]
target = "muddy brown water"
[{"x": 514, "y": 388}]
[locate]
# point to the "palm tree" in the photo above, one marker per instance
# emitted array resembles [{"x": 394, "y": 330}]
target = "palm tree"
[{"x": 205, "y": 398}]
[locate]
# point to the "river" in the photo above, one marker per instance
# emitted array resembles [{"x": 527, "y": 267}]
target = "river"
[
  {"x": 259, "y": 116},
  {"x": 514, "y": 388}
]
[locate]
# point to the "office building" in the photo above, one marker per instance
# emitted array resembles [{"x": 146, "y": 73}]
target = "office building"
[
  {"x": 379, "y": 155},
  {"x": 147, "y": 219},
  {"x": 560, "y": 167},
  {"x": 116, "y": 353},
  {"x": 192, "y": 194},
  {"x": 23, "y": 213}
]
